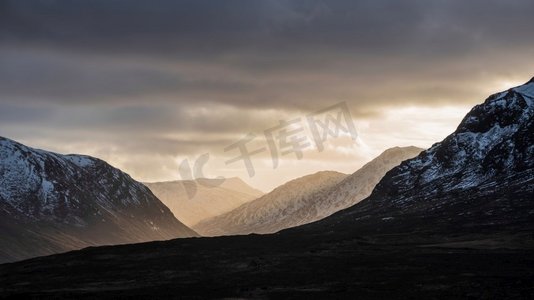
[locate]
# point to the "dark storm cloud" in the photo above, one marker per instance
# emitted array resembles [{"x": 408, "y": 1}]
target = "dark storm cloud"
[
  {"x": 271, "y": 45},
  {"x": 199, "y": 28},
  {"x": 34, "y": 75},
  {"x": 149, "y": 65},
  {"x": 23, "y": 114}
]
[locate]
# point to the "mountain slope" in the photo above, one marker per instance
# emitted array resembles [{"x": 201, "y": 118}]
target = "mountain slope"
[
  {"x": 324, "y": 196},
  {"x": 360, "y": 184},
  {"x": 272, "y": 212},
  {"x": 480, "y": 176},
  {"x": 52, "y": 203},
  {"x": 210, "y": 199}
]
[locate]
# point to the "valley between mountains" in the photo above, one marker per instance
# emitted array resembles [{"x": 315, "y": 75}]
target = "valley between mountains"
[{"x": 453, "y": 221}]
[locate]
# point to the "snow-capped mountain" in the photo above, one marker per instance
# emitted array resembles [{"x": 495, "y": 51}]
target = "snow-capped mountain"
[
  {"x": 306, "y": 199},
  {"x": 52, "y": 203},
  {"x": 210, "y": 198},
  {"x": 273, "y": 211},
  {"x": 480, "y": 175},
  {"x": 360, "y": 184}
]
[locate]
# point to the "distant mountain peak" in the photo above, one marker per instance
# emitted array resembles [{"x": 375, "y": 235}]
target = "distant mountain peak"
[
  {"x": 211, "y": 197},
  {"x": 398, "y": 148},
  {"x": 306, "y": 199}
]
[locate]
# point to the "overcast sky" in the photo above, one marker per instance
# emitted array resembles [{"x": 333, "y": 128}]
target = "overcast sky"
[{"x": 147, "y": 84}]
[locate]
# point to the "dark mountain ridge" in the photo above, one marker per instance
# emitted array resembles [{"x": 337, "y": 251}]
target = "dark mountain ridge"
[
  {"x": 53, "y": 203},
  {"x": 480, "y": 175}
]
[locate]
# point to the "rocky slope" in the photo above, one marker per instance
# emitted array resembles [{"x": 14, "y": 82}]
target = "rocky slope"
[
  {"x": 479, "y": 177},
  {"x": 209, "y": 200},
  {"x": 307, "y": 199},
  {"x": 53, "y": 203},
  {"x": 272, "y": 212},
  {"x": 358, "y": 185}
]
